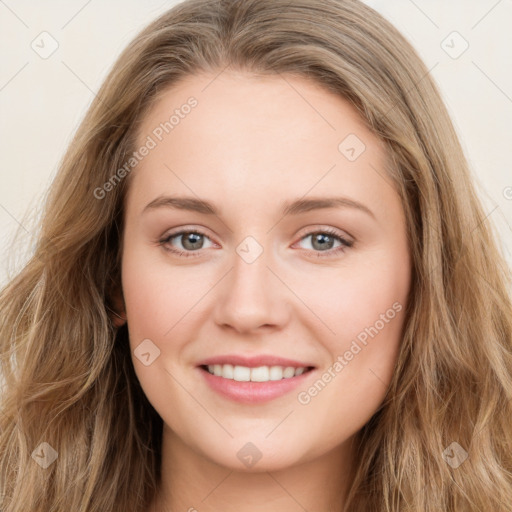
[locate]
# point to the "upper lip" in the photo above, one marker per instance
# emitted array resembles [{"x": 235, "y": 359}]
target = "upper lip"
[{"x": 253, "y": 361}]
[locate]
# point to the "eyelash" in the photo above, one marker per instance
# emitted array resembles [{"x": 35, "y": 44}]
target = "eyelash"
[{"x": 320, "y": 254}]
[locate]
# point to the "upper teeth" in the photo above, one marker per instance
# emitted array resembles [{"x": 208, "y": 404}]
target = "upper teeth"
[{"x": 259, "y": 374}]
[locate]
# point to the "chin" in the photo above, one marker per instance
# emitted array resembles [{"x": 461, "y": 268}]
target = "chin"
[{"x": 254, "y": 457}]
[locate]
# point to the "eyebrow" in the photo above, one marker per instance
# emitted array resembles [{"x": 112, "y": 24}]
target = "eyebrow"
[{"x": 289, "y": 208}]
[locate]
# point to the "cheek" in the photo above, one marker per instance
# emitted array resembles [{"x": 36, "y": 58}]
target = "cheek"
[
  {"x": 363, "y": 353},
  {"x": 144, "y": 297},
  {"x": 366, "y": 292},
  {"x": 156, "y": 307},
  {"x": 157, "y": 295},
  {"x": 365, "y": 311}
]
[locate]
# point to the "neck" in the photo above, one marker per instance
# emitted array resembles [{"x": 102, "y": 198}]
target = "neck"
[{"x": 193, "y": 483}]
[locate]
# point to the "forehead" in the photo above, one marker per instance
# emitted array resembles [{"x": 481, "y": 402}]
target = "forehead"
[
  {"x": 255, "y": 135},
  {"x": 292, "y": 105}
]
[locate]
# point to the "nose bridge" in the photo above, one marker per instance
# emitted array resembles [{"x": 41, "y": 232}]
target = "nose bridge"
[{"x": 252, "y": 296}]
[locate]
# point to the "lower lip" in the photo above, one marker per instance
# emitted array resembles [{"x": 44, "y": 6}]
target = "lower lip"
[{"x": 249, "y": 392}]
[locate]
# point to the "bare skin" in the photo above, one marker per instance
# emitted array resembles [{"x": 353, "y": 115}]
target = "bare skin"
[{"x": 251, "y": 145}]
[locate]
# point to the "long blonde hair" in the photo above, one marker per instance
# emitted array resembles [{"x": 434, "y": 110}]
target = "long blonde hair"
[{"x": 69, "y": 379}]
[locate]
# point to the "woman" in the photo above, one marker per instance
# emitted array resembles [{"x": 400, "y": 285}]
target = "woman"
[{"x": 243, "y": 366}]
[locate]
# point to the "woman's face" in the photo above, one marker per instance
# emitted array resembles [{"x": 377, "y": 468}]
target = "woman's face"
[{"x": 299, "y": 260}]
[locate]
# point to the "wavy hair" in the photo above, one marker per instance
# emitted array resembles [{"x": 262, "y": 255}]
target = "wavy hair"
[{"x": 67, "y": 369}]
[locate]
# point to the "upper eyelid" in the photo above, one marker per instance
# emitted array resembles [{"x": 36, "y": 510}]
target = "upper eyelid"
[{"x": 331, "y": 230}]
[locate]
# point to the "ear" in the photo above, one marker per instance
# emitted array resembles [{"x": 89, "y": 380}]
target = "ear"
[{"x": 117, "y": 308}]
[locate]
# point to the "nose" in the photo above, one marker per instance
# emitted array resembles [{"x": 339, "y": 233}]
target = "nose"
[{"x": 252, "y": 297}]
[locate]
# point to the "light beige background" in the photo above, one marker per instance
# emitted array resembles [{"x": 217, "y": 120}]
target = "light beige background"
[{"x": 43, "y": 100}]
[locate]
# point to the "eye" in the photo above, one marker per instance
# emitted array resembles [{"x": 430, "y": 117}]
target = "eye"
[
  {"x": 191, "y": 243},
  {"x": 324, "y": 239}
]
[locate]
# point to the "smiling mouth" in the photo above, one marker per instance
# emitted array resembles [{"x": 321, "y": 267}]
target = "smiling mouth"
[{"x": 257, "y": 374}]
